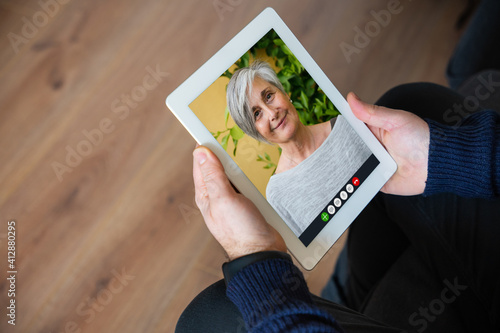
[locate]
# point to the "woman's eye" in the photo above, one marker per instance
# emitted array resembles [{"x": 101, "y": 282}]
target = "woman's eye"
[
  {"x": 268, "y": 96},
  {"x": 256, "y": 114}
]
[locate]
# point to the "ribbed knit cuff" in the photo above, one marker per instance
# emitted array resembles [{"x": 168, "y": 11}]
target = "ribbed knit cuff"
[
  {"x": 268, "y": 291},
  {"x": 232, "y": 267},
  {"x": 464, "y": 160}
]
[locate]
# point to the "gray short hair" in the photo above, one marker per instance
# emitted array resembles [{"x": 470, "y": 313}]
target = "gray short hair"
[{"x": 240, "y": 87}]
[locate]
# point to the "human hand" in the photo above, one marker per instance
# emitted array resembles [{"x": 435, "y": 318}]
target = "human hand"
[
  {"x": 233, "y": 219},
  {"x": 406, "y": 138}
]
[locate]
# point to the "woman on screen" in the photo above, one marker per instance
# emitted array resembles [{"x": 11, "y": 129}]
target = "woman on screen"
[{"x": 316, "y": 160}]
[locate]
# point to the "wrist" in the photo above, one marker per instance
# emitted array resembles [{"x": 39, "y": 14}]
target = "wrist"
[
  {"x": 235, "y": 254},
  {"x": 231, "y": 268}
]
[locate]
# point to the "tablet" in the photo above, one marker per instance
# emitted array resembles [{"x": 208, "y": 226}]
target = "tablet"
[{"x": 278, "y": 100}]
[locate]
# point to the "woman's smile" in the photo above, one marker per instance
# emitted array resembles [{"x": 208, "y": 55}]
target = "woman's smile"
[{"x": 281, "y": 122}]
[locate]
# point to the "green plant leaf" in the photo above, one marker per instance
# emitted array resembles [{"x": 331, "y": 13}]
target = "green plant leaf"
[
  {"x": 307, "y": 117},
  {"x": 331, "y": 112},
  {"x": 224, "y": 141},
  {"x": 227, "y": 74},
  {"x": 298, "y": 105},
  {"x": 262, "y": 44},
  {"x": 280, "y": 63},
  {"x": 236, "y": 132},
  {"x": 216, "y": 135},
  {"x": 245, "y": 59},
  {"x": 235, "y": 142},
  {"x": 304, "y": 100},
  {"x": 310, "y": 87},
  {"x": 226, "y": 115},
  {"x": 287, "y": 86},
  {"x": 287, "y": 51},
  {"x": 272, "y": 51},
  {"x": 318, "y": 111},
  {"x": 267, "y": 156},
  {"x": 278, "y": 42},
  {"x": 254, "y": 52}
]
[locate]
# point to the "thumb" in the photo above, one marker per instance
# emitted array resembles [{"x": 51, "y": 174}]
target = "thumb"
[
  {"x": 374, "y": 116},
  {"x": 209, "y": 173}
]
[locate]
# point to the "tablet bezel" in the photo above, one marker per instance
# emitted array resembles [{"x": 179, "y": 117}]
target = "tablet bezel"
[{"x": 180, "y": 99}]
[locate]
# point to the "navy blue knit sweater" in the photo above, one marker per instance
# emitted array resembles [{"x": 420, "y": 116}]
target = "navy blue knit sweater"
[{"x": 272, "y": 295}]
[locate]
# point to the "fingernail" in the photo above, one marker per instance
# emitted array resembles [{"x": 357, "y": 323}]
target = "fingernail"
[{"x": 200, "y": 156}]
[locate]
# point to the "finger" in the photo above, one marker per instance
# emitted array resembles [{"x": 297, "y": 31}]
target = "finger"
[
  {"x": 212, "y": 173},
  {"x": 373, "y": 115},
  {"x": 201, "y": 195}
]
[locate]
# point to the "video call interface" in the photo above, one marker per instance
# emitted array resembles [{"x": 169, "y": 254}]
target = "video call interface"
[
  {"x": 338, "y": 200},
  {"x": 258, "y": 160}
]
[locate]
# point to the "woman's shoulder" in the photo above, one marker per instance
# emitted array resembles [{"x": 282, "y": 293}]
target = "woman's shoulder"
[{"x": 273, "y": 189}]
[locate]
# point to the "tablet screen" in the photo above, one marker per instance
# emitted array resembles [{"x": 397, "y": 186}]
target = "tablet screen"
[{"x": 273, "y": 104}]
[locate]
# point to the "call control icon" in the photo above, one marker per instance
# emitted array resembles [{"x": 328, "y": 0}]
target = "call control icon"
[
  {"x": 343, "y": 195},
  {"x": 355, "y": 181},
  {"x": 325, "y": 217}
]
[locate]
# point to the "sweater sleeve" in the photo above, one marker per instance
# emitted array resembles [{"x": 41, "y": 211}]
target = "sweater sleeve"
[
  {"x": 272, "y": 296},
  {"x": 465, "y": 160}
]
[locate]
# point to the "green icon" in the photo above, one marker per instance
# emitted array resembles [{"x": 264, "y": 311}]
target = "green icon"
[{"x": 325, "y": 217}]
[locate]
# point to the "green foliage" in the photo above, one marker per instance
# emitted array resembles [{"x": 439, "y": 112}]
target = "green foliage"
[
  {"x": 267, "y": 159},
  {"x": 235, "y": 133},
  {"x": 309, "y": 100}
]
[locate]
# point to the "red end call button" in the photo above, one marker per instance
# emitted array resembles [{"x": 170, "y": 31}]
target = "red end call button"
[{"x": 355, "y": 181}]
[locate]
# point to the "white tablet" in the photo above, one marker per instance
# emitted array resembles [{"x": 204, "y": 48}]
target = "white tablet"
[{"x": 279, "y": 95}]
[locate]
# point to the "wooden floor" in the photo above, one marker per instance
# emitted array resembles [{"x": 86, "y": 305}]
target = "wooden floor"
[{"x": 108, "y": 237}]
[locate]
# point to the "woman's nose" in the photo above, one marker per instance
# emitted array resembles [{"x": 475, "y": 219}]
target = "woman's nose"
[{"x": 272, "y": 113}]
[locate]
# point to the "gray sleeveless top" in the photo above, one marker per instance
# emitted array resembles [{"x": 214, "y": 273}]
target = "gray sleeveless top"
[{"x": 299, "y": 194}]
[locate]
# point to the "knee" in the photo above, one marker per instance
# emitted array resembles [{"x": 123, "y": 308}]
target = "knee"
[
  {"x": 426, "y": 100},
  {"x": 211, "y": 311},
  {"x": 405, "y": 96}
]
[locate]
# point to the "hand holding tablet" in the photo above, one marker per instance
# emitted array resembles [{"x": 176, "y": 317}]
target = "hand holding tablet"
[
  {"x": 233, "y": 220},
  {"x": 406, "y": 136},
  {"x": 287, "y": 140}
]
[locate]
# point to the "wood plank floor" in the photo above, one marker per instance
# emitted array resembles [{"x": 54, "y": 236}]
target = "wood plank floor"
[{"x": 112, "y": 241}]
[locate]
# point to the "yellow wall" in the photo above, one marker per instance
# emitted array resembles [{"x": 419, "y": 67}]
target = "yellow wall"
[{"x": 210, "y": 107}]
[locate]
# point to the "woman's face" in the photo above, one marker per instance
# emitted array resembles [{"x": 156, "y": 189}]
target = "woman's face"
[{"x": 275, "y": 116}]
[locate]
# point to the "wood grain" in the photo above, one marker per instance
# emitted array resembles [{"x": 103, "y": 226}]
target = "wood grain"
[{"x": 126, "y": 208}]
